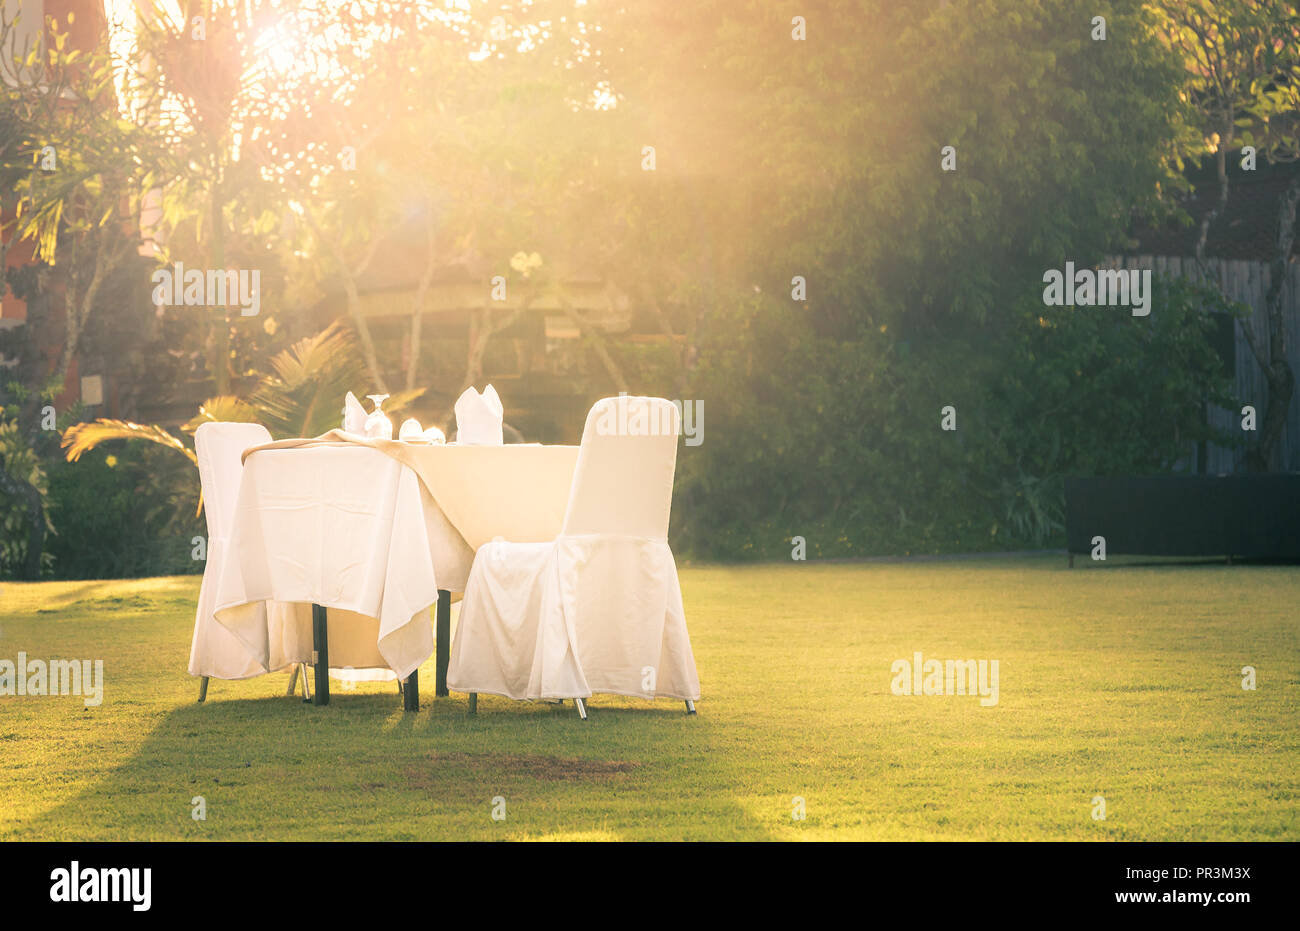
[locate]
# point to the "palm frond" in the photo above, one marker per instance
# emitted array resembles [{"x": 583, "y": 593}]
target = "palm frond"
[
  {"x": 399, "y": 401},
  {"x": 223, "y": 408},
  {"x": 83, "y": 437},
  {"x": 330, "y": 348},
  {"x": 304, "y": 394}
]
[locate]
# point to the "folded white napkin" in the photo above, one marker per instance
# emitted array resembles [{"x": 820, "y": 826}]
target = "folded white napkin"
[
  {"x": 478, "y": 418},
  {"x": 354, "y": 415}
]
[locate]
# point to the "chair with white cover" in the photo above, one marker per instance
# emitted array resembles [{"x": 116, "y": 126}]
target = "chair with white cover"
[
  {"x": 216, "y": 652},
  {"x": 599, "y": 609}
]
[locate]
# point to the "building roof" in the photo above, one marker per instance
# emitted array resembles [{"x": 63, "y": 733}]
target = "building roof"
[
  {"x": 1247, "y": 230},
  {"x": 463, "y": 282}
]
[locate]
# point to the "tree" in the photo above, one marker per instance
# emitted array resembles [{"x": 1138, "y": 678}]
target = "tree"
[
  {"x": 72, "y": 171},
  {"x": 468, "y": 135},
  {"x": 1241, "y": 61},
  {"x": 821, "y": 158},
  {"x": 226, "y": 87},
  {"x": 76, "y": 171}
]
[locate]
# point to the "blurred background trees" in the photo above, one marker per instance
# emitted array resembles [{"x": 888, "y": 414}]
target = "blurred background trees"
[{"x": 695, "y": 158}]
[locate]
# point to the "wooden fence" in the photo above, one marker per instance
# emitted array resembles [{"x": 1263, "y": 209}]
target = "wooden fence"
[{"x": 1248, "y": 283}]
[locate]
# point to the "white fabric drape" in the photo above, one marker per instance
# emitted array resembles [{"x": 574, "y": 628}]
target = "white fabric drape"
[
  {"x": 598, "y": 609},
  {"x": 345, "y": 527}
]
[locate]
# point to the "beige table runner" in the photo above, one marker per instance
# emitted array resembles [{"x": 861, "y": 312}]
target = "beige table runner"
[{"x": 519, "y": 491}]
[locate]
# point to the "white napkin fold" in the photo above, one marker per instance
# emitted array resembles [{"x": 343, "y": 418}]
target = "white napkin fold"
[
  {"x": 478, "y": 418},
  {"x": 354, "y": 415}
]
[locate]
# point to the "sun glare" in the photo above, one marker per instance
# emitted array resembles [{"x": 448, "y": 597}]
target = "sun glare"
[{"x": 282, "y": 47}]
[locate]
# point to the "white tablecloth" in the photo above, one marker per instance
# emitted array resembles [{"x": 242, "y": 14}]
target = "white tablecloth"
[
  {"x": 352, "y": 526},
  {"x": 518, "y": 491},
  {"x": 347, "y": 528}
]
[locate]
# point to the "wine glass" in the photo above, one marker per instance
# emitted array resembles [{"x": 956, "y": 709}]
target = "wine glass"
[{"x": 378, "y": 426}]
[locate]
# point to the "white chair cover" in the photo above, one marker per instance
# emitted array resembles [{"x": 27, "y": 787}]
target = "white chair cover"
[
  {"x": 479, "y": 417},
  {"x": 215, "y": 651},
  {"x": 599, "y": 609}
]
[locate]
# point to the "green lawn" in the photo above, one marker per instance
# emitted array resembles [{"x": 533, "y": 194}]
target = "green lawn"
[{"x": 1117, "y": 681}]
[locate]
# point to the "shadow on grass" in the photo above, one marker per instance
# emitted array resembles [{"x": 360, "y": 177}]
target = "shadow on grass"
[
  {"x": 90, "y": 595},
  {"x": 63, "y": 599},
  {"x": 1185, "y": 562},
  {"x": 360, "y": 768}
]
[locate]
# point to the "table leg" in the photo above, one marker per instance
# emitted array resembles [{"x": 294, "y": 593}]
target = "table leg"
[
  {"x": 320, "y": 657},
  {"x": 443, "y": 641},
  {"x": 411, "y": 692}
]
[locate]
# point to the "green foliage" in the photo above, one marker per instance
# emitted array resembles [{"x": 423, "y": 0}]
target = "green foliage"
[
  {"x": 1033, "y": 508},
  {"x": 1241, "y": 65},
  {"x": 131, "y": 512},
  {"x": 841, "y": 442},
  {"x": 303, "y": 393},
  {"x": 1097, "y": 391},
  {"x": 20, "y": 461},
  {"x": 822, "y": 158},
  {"x": 808, "y": 432}
]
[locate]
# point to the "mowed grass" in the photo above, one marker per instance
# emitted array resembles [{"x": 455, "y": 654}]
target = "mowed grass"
[{"x": 1116, "y": 681}]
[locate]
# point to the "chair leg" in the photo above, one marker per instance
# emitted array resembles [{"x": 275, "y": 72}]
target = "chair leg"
[
  {"x": 690, "y": 706},
  {"x": 399, "y": 687},
  {"x": 203, "y": 689},
  {"x": 473, "y": 702},
  {"x": 293, "y": 680},
  {"x": 582, "y": 708},
  {"x": 306, "y": 683}
]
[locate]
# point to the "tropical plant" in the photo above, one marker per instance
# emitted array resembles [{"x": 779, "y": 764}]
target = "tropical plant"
[
  {"x": 1033, "y": 507},
  {"x": 22, "y": 526},
  {"x": 301, "y": 396}
]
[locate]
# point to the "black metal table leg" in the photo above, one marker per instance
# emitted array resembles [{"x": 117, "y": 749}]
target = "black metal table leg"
[
  {"x": 320, "y": 658},
  {"x": 443, "y": 634},
  {"x": 411, "y": 692}
]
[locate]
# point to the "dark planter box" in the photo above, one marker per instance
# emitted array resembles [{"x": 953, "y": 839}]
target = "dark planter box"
[{"x": 1186, "y": 515}]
